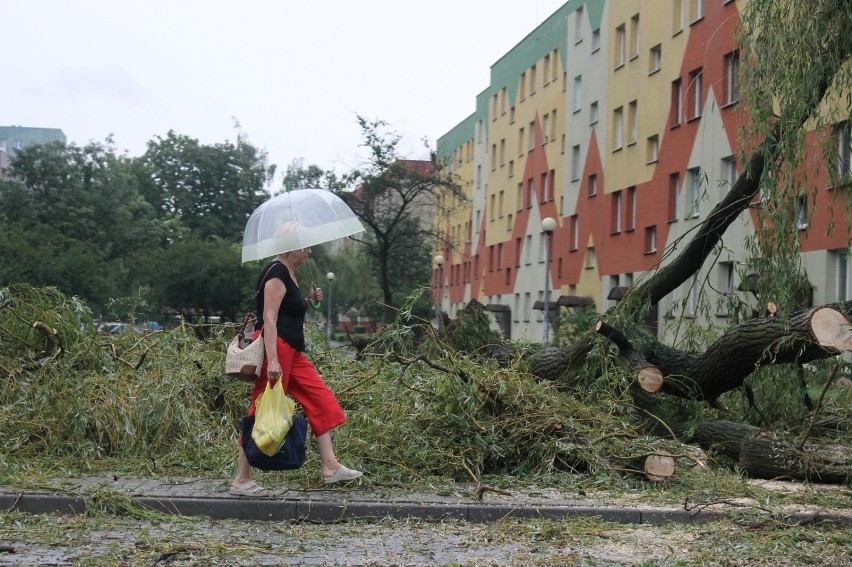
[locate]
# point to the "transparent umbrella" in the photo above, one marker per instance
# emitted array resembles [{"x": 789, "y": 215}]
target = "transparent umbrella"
[{"x": 297, "y": 219}]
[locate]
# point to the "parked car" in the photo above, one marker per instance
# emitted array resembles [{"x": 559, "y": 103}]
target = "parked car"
[{"x": 116, "y": 327}]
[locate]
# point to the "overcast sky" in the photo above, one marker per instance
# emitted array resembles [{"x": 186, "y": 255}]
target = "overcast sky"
[{"x": 292, "y": 74}]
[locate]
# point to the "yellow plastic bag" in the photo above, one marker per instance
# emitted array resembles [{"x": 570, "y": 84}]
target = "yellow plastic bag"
[{"x": 273, "y": 418}]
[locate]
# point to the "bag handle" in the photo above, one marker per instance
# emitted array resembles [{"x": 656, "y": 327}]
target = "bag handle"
[{"x": 249, "y": 314}]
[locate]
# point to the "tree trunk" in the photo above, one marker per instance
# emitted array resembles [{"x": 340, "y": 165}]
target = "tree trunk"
[
  {"x": 717, "y": 435},
  {"x": 811, "y": 334},
  {"x": 763, "y": 456}
]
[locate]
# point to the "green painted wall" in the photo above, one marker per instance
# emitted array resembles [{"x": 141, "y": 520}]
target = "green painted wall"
[{"x": 506, "y": 72}]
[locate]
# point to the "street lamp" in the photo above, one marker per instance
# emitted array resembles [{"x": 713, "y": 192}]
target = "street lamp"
[
  {"x": 330, "y": 277},
  {"x": 439, "y": 261},
  {"x": 548, "y": 225}
]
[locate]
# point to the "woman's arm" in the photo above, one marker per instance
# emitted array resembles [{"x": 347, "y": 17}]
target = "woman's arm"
[{"x": 273, "y": 294}]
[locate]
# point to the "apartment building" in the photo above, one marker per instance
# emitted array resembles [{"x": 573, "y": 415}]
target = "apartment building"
[
  {"x": 14, "y": 138},
  {"x": 618, "y": 120}
]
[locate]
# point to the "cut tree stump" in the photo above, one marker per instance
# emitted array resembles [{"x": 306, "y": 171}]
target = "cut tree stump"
[
  {"x": 831, "y": 329},
  {"x": 656, "y": 467},
  {"x": 650, "y": 378}
]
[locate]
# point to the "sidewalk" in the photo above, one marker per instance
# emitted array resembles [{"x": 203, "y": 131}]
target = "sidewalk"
[{"x": 210, "y": 497}]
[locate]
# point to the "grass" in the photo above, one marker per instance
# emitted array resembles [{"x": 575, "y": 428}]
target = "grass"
[{"x": 421, "y": 414}]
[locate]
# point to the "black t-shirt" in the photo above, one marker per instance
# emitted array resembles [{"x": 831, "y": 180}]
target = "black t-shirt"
[{"x": 291, "y": 314}]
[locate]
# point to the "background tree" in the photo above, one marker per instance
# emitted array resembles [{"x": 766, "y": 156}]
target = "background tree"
[
  {"x": 396, "y": 200},
  {"x": 202, "y": 277},
  {"x": 297, "y": 176},
  {"x": 73, "y": 218},
  {"x": 211, "y": 189}
]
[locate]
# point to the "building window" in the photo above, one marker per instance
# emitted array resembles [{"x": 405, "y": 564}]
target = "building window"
[
  {"x": 591, "y": 261},
  {"x": 732, "y": 77},
  {"x": 802, "y": 211},
  {"x": 655, "y": 59},
  {"x": 596, "y": 40},
  {"x": 631, "y": 209},
  {"x": 634, "y": 37},
  {"x": 512, "y": 115},
  {"x": 844, "y": 148},
  {"x": 545, "y": 128},
  {"x": 726, "y": 285},
  {"x": 615, "y": 213},
  {"x": 532, "y": 80},
  {"x": 522, "y": 87},
  {"x": 578, "y": 93},
  {"x": 502, "y": 152},
  {"x": 674, "y": 197},
  {"x": 527, "y": 306},
  {"x": 633, "y": 122},
  {"x": 551, "y": 190},
  {"x": 521, "y": 142},
  {"x": 578, "y": 25},
  {"x": 696, "y": 100},
  {"x": 520, "y": 196},
  {"x": 574, "y": 235},
  {"x": 531, "y": 135},
  {"x": 620, "y": 46},
  {"x": 544, "y": 187},
  {"x": 593, "y": 185},
  {"x": 554, "y": 67},
  {"x": 552, "y": 135},
  {"x": 575, "y": 163},
  {"x": 528, "y": 250},
  {"x": 729, "y": 173},
  {"x": 593, "y": 113},
  {"x": 694, "y": 192},
  {"x": 841, "y": 268},
  {"x": 653, "y": 153},
  {"x": 696, "y": 10},
  {"x": 677, "y": 103},
  {"x": 650, "y": 239},
  {"x": 617, "y": 129},
  {"x": 545, "y": 72},
  {"x": 692, "y": 301},
  {"x": 493, "y": 157},
  {"x": 530, "y": 192},
  {"x": 511, "y": 168},
  {"x": 678, "y": 16}
]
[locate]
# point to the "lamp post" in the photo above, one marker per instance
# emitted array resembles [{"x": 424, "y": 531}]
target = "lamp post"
[
  {"x": 439, "y": 261},
  {"x": 330, "y": 277},
  {"x": 548, "y": 225}
]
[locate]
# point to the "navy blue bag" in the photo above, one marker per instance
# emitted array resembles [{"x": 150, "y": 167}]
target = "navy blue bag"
[{"x": 292, "y": 453}]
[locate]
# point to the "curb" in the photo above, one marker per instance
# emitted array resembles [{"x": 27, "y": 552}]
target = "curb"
[{"x": 324, "y": 511}]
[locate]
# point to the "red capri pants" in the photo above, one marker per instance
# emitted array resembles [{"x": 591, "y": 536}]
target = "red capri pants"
[{"x": 303, "y": 382}]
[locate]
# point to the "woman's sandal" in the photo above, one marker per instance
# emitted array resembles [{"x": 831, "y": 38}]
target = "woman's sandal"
[
  {"x": 343, "y": 474},
  {"x": 250, "y": 488}
]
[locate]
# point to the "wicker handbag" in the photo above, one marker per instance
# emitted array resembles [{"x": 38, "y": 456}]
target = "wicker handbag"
[{"x": 244, "y": 357}]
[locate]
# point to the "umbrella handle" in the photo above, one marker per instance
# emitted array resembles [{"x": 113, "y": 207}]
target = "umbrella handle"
[{"x": 314, "y": 304}]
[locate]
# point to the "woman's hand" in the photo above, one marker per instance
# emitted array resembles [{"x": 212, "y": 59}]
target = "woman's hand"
[
  {"x": 316, "y": 294},
  {"x": 273, "y": 371}
]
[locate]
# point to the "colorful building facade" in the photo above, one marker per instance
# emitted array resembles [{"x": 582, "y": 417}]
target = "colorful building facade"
[{"x": 618, "y": 120}]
